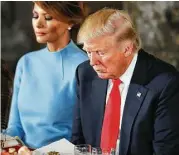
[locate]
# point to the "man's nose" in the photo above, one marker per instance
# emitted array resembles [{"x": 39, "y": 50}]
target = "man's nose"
[{"x": 94, "y": 59}]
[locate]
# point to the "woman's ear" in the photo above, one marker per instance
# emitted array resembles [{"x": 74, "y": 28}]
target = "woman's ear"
[{"x": 70, "y": 26}]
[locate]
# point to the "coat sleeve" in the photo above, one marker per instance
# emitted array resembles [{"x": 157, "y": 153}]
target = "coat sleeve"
[
  {"x": 77, "y": 133},
  {"x": 14, "y": 125},
  {"x": 166, "y": 125}
]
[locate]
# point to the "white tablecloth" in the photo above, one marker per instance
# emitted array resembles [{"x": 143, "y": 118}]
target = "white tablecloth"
[{"x": 63, "y": 146}]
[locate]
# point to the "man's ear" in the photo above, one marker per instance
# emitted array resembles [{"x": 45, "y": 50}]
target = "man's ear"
[
  {"x": 128, "y": 49},
  {"x": 127, "y": 53}
]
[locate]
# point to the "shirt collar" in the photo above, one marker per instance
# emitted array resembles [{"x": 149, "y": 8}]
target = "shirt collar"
[{"x": 126, "y": 77}]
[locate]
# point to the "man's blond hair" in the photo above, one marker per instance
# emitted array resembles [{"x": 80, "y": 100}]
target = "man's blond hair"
[{"x": 109, "y": 22}]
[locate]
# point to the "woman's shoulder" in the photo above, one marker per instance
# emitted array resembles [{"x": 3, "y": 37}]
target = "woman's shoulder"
[
  {"x": 34, "y": 53},
  {"x": 30, "y": 55}
]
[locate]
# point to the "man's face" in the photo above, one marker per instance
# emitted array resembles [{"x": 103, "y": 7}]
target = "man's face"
[{"x": 107, "y": 57}]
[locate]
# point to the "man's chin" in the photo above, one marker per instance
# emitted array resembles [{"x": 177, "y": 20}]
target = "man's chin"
[{"x": 103, "y": 76}]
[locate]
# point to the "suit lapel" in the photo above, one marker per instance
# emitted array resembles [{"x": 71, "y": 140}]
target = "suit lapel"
[
  {"x": 99, "y": 88},
  {"x": 134, "y": 99}
]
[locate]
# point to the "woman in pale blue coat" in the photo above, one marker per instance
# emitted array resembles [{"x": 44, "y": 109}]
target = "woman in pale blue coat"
[{"x": 44, "y": 86}]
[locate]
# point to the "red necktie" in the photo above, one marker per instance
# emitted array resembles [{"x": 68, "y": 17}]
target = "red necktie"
[{"x": 111, "y": 122}]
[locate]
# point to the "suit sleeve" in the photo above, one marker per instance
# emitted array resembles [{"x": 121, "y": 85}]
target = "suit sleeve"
[
  {"x": 166, "y": 125},
  {"x": 14, "y": 124},
  {"x": 77, "y": 133}
]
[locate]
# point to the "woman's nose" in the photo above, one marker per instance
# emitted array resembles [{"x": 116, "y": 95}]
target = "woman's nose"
[{"x": 39, "y": 23}]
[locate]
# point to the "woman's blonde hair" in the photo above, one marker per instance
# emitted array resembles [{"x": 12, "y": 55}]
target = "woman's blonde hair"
[
  {"x": 72, "y": 12},
  {"x": 111, "y": 22}
]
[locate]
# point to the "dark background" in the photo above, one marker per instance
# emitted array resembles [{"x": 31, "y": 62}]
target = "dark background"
[{"x": 157, "y": 23}]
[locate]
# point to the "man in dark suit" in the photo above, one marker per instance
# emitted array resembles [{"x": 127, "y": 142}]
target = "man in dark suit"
[{"x": 141, "y": 111}]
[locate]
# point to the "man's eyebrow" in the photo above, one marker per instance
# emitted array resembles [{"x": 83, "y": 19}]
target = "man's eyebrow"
[
  {"x": 87, "y": 49},
  {"x": 93, "y": 49}
]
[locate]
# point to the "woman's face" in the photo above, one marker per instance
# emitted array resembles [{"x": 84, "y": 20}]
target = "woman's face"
[{"x": 46, "y": 27}]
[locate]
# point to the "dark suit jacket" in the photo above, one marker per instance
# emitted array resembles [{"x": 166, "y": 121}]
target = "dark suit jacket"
[{"x": 150, "y": 122}]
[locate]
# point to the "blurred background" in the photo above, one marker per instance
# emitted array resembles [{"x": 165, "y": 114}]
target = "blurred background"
[{"x": 157, "y": 23}]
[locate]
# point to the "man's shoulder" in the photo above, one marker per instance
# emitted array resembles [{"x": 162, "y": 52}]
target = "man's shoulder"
[
  {"x": 85, "y": 68},
  {"x": 156, "y": 64},
  {"x": 85, "y": 64},
  {"x": 162, "y": 69},
  {"x": 150, "y": 68},
  {"x": 157, "y": 73}
]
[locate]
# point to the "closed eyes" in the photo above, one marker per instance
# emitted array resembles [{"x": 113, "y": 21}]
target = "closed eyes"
[
  {"x": 47, "y": 17},
  {"x": 100, "y": 53}
]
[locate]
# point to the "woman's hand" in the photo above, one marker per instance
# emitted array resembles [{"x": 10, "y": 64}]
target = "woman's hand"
[{"x": 24, "y": 151}]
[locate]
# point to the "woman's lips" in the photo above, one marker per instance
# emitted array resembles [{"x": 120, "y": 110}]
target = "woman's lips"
[{"x": 40, "y": 33}]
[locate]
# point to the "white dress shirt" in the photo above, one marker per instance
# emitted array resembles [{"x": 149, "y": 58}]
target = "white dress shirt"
[{"x": 123, "y": 88}]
